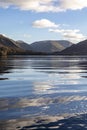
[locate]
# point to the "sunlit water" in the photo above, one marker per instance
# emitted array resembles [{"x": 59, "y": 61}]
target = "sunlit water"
[{"x": 42, "y": 85}]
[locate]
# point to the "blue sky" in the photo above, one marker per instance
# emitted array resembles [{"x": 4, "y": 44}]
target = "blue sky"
[{"x": 34, "y": 20}]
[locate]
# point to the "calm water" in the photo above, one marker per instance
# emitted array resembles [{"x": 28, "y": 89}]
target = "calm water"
[{"x": 42, "y": 85}]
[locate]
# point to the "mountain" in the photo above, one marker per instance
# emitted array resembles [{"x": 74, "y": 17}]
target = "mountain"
[
  {"x": 7, "y": 42},
  {"x": 23, "y": 45},
  {"x": 9, "y": 46},
  {"x": 50, "y": 46},
  {"x": 76, "y": 49}
]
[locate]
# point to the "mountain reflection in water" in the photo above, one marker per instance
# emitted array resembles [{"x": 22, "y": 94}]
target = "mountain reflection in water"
[{"x": 32, "y": 87}]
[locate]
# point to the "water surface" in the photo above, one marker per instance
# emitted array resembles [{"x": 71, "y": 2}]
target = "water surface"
[{"x": 32, "y": 86}]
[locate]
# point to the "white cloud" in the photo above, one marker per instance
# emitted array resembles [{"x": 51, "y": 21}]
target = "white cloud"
[
  {"x": 34, "y": 5},
  {"x": 44, "y": 5},
  {"x": 44, "y": 23},
  {"x": 73, "y": 4},
  {"x": 71, "y": 35}
]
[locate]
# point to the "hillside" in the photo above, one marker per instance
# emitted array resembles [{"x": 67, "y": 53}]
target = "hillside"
[
  {"x": 9, "y": 46},
  {"x": 7, "y": 42},
  {"x": 76, "y": 49},
  {"x": 50, "y": 46},
  {"x": 23, "y": 45}
]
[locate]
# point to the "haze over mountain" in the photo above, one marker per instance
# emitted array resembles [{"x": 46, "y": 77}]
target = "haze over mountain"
[
  {"x": 76, "y": 49},
  {"x": 50, "y": 46}
]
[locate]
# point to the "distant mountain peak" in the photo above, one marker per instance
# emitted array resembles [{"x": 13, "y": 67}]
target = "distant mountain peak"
[
  {"x": 23, "y": 45},
  {"x": 20, "y": 41},
  {"x": 76, "y": 49},
  {"x": 50, "y": 46}
]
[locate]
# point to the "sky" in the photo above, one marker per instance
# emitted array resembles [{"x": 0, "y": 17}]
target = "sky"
[{"x": 37, "y": 20}]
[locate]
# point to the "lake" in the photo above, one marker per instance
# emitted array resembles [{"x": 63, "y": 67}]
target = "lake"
[{"x": 42, "y": 86}]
